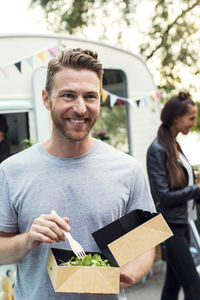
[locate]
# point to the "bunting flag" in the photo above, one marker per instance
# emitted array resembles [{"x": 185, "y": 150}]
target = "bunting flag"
[
  {"x": 138, "y": 102},
  {"x": 104, "y": 95},
  {"x": 41, "y": 56},
  {"x": 113, "y": 100},
  {"x": 30, "y": 60},
  {"x": 18, "y": 65},
  {"x": 120, "y": 100},
  {"x": 4, "y": 70},
  {"x": 53, "y": 50}
]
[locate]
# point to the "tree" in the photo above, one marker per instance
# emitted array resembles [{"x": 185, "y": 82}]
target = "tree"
[
  {"x": 170, "y": 43},
  {"x": 75, "y": 16}
]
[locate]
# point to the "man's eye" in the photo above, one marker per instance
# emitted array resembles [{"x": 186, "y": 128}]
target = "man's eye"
[
  {"x": 90, "y": 97},
  {"x": 67, "y": 96}
]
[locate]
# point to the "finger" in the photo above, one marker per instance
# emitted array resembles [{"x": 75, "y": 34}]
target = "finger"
[
  {"x": 41, "y": 238},
  {"x": 124, "y": 278},
  {"x": 62, "y": 222},
  {"x": 49, "y": 229}
]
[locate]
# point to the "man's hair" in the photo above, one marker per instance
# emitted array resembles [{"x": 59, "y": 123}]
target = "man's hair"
[{"x": 76, "y": 59}]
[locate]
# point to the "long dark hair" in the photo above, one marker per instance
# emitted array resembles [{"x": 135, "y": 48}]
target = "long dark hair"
[{"x": 177, "y": 106}]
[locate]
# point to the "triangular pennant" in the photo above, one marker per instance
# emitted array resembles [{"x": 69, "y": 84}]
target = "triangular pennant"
[
  {"x": 120, "y": 102},
  {"x": 131, "y": 102},
  {"x": 53, "y": 50},
  {"x": 29, "y": 60},
  {"x": 138, "y": 102},
  {"x": 113, "y": 100},
  {"x": 153, "y": 109},
  {"x": 41, "y": 56},
  {"x": 146, "y": 100},
  {"x": 154, "y": 96},
  {"x": 18, "y": 65},
  {"x": 104, "y": 96},
  {"x": 159, "y": 95},
  {"x": 4, "y": 70}
]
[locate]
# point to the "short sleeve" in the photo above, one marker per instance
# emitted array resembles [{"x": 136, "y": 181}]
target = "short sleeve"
[
  {"x": 140, "y": 196},
  {"x": 8, "y": 215}
]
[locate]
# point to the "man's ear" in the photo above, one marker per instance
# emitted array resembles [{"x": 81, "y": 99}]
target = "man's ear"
[{"x": 46, "y": 99}]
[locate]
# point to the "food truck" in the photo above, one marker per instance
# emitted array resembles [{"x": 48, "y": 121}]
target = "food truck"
[{"x": 127, "y": 80}]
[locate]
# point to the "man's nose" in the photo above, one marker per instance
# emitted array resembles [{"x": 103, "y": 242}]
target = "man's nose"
[{"x": 79, "y": 106}]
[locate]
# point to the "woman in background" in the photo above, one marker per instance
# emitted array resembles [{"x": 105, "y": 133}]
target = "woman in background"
[
  {"x": 4, "y": 147},
  {"x": 175, "y": 193}
]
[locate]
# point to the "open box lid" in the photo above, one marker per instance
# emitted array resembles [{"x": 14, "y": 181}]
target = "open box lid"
[{"x": 131, "y": 235}]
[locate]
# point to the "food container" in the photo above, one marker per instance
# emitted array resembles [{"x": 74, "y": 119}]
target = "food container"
[{"x": 120, "y": 242}]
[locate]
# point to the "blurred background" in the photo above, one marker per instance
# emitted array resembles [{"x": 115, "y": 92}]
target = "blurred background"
[{"x": 164, "y": 34}]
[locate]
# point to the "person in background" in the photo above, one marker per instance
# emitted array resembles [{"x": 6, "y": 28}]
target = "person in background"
[
  {"x": 83, "y": 179},
  {"x": 4, "y": 147},
  {"x": 175, "y": 194}
]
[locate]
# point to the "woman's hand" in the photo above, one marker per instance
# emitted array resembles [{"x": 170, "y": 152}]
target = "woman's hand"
[{"x": 198, "y": 178}]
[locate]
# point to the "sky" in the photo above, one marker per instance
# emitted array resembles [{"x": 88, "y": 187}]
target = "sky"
[{"x": 15, "y": 17}]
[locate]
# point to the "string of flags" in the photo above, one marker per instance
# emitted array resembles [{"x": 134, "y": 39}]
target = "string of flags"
[
  {"x": 107, "y": 98},
  {"x": 110, "y": 99},
  {"x": 29, "y": 60}
]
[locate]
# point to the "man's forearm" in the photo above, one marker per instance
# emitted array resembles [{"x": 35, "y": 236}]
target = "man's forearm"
[
  {"x": 12, "y": 249},
  {"x": 139, "y": 267}
]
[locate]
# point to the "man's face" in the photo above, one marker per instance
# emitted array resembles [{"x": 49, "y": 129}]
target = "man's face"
[
  {"x": 2, "y": 136},
  {"x": 74, "y": 102}
]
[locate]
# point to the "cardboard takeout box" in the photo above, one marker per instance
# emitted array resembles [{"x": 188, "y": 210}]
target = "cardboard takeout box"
[{"x": 121, "y": 241}]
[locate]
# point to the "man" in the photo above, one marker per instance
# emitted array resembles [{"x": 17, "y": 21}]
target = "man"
[{"x": 84, "y": 180}]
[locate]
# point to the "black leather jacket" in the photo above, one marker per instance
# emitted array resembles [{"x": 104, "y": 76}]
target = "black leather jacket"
[{"x": 171, "y": 203}]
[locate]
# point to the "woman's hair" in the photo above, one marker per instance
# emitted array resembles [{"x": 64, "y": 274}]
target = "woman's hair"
[
  {"x": 177, "y": 106},
  {"x": 3, "y": 124}
]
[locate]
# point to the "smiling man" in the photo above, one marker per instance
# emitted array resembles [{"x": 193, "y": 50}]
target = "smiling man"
[{"x": 89, "y": 183}]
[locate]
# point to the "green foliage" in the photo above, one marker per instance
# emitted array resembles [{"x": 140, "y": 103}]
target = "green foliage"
[
  {"x": 72, "y": 16},
  {"x": 197, "y": 127},
  {"x": 89, "y": 260},
  {"x": 169, "y": 43},
  {"x": 27, "y": 143},
  {"x": 113, "y": 121}
]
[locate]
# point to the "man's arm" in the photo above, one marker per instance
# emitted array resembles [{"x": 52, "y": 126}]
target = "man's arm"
[
  {"x": 135, "y": 270},
  {"x": 12, "y": 247},
  {"x": 45, "y": 229}
]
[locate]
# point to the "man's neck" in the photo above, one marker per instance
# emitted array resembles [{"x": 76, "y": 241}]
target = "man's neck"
[{"x": 68, "y": 148}]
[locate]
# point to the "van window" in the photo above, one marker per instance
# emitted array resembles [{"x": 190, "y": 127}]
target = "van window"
[
  {"x": 113, "y": 120},
  {"x": 18, "y": 130}
]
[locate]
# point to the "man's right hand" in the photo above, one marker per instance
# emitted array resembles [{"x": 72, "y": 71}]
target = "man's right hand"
[{"x": 46, "y": 229}]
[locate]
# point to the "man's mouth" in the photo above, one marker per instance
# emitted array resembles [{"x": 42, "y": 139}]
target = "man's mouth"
[{"x": 77, "y": 121}]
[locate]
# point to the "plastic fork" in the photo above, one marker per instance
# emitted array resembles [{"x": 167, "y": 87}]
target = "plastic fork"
[{"x": 75, "y": 246}]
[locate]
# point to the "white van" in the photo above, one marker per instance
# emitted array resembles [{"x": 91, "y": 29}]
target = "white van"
[{"x": 23, "y": 62}]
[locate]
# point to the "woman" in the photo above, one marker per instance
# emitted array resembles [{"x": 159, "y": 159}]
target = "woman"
[
  {"x": 175, "y": 194},
  {"x": 4, "y": 147}
]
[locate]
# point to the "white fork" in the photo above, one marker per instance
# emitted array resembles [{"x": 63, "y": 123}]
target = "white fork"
[{"x": 76, "y": 247}]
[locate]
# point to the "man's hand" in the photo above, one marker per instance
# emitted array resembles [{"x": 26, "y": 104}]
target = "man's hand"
[
  {"x": 126, "y": 280},
  {"x": 46, "y": 229}
]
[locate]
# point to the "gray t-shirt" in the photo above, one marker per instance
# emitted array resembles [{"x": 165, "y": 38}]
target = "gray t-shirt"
[{"x": 92, "y": 190}]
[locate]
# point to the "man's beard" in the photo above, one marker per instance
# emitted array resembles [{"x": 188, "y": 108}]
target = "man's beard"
[{"x": 72, "y": 134}]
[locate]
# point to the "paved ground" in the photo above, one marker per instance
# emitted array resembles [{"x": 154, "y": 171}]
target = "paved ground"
[{"x": 149, "y": 289}]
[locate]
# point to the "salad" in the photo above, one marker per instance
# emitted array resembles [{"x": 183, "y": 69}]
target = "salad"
[{"x": 89, "y": 260}]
